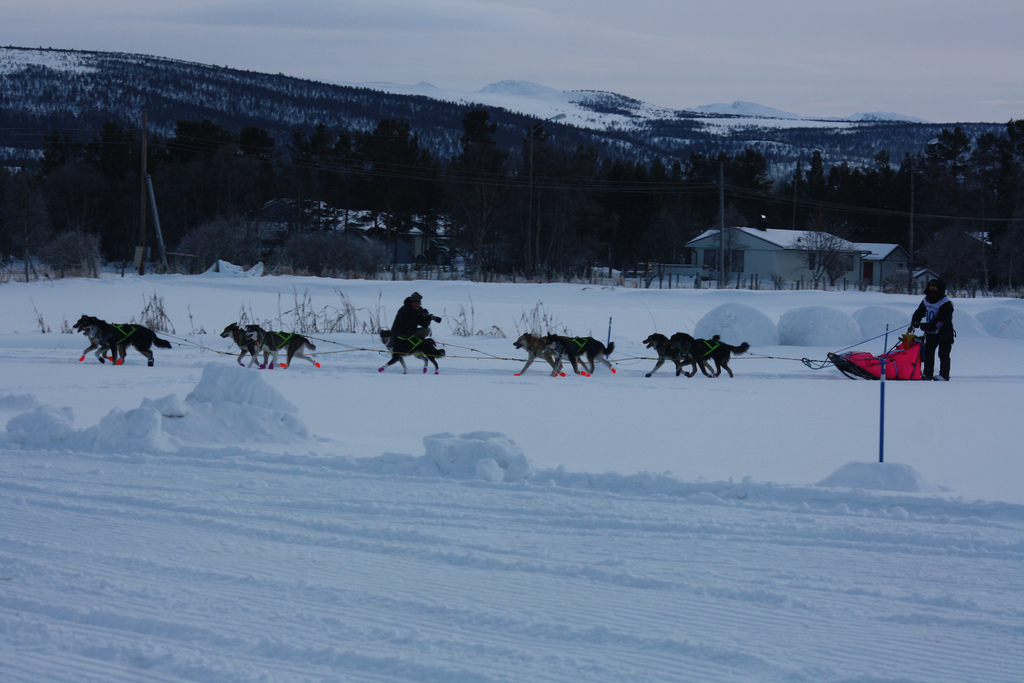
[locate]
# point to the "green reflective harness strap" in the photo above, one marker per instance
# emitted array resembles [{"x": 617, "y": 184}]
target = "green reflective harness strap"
[
  {"x": 414, "y": 340},
  {"x": 284, "y": 338},
  {"x": 710, "y": 347},
  {"x": 126, "y": 334}
]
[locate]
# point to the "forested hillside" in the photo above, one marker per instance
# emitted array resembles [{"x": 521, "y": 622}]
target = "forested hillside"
[{"x": 332, "y": 179}]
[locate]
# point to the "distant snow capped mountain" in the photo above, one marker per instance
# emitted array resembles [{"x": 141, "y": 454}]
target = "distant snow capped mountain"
[
  {"x": 517, "y": 88},
  {"x": 740, "y": 108},
  {"x": 45, "y": 90},
  {"x": 885, "y": 116}
]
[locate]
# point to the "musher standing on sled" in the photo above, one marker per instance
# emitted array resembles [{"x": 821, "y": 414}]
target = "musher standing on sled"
[
  {"x": 412, "y": 319},
  {"x": 936, "y": 311}
]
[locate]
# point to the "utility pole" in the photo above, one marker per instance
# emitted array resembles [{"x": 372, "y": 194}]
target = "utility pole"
[
  {"x": 721, "y": 224},
  {"x": 910, "y": 261},
  {"x": 140, "y": 251}
]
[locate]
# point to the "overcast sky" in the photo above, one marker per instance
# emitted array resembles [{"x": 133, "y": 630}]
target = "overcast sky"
[{"x": 940, "y": 60}]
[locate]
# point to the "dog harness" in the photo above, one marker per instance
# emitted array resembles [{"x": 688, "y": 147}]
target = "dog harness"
[
  {"x": 129, "y": 333},
  {"x": 414, "y": 340},
  {"x": 709, "y": 347},
  {"x": 284, "y": 338}
]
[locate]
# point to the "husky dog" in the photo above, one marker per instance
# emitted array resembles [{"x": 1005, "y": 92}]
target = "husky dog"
[
  {"x": 271, "y": 343},
  {"x": 117, "y": 338},
  {"x": 581, "y": 352},
  {"x": 536, "y": 347},
  {"x": 702, "y": 351},
  {"x": 400, "y": 347},
  {"x": 248, "y": 338}
]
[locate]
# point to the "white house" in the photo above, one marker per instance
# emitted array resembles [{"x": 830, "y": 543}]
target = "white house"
[
  {"x": 766, "y": 253},
  {"x": 883, "y": 262}
]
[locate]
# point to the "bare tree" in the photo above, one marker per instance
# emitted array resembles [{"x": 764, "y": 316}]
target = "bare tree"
[
  {"x": 25, "y": 217},
  {"x": 825, "y": 250}
]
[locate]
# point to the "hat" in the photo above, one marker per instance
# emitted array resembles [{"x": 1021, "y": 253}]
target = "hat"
[{"x": 415, "y": 296}]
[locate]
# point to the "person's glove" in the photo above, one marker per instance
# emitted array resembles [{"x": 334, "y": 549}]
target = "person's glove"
[{"x": 437, "y": 318}]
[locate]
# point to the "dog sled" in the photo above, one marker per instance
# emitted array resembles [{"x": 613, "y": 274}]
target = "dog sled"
[{"x": 903, "y": 361}]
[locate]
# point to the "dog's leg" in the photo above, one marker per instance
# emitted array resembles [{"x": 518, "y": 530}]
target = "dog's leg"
[
  {"x": 395, "y": 358},
  {"x": 604, "y": 360},
  {"x": 91, "y": 346},
  {"x": 661, "y": 361},
  {"x": 301, "y": 353},
  {"x": 529, "y": 362}
]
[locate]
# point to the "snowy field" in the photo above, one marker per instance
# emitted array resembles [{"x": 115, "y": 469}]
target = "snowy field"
[{"x": 198, "y": 521}]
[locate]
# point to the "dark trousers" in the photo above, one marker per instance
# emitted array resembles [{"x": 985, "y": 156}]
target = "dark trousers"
[{"x": 944, "y": 344}]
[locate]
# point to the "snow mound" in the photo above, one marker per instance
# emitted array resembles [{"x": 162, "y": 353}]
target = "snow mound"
[
  {"x": 873, "y": 319},
  {"x": 818, "y": 326},
  {"x": 738, "y": 323},
  {"x": 966, "y": 325},
  {"x": 231, "y": 270},
  {"x": 877, "y": 476},
  {"x": 222, "y": 383},
  {"x": 1001, "y": 321},
  {"x": 43, "y": 427},
  {"x": 232, "y": 405},
  {"x": 490, "y": 456},
  {"x": 229, "y": 406}
]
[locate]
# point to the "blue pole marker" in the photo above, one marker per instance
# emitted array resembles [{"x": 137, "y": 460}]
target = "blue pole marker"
[
  {"x": 881, "y": 413},
  {"x": 609, "y": 332}
]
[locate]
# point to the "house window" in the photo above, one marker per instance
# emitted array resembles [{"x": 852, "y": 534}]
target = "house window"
[{"x": 710, "y": 259}]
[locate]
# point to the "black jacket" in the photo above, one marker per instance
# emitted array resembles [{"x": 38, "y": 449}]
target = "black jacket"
[
  {"x": 941, "y": 323},
  {"x": 408, "y": 320}
]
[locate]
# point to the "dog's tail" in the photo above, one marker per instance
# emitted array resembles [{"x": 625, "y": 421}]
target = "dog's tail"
[
  {"x": 161, "y": 343},
  {"x": 742, "y": 348},
  {"x": 609, "y": 349}
]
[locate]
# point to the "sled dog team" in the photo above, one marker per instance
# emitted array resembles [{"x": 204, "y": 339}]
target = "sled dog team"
[{"x": 110, "y": 341}]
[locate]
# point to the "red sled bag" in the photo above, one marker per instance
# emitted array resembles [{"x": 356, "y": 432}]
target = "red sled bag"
[{"x": 902, "y": 362}]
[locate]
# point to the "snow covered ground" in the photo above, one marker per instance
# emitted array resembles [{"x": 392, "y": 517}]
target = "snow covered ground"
[{"x": 197, "y": 521}]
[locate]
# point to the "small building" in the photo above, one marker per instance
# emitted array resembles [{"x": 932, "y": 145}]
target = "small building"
[
  {"x": 882, "y": 263},
  {"x": 765, "y": 253}
]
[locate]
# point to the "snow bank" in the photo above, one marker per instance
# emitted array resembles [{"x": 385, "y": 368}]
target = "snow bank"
[
  {"x": 873, "y": 319},
  {"x": 231, "y": 270},
  {"x": 228, "y": 406},
  {"x": 966, "y": 325},
  {"x": 1001, "y": 321},
  {"x": 878, "y": 476},
  {"x": 43, "y": 427},
  {"x": 818, "y": 326},
  {"x": 738, "y": 323},
  {"x": 490, "y": 456}
]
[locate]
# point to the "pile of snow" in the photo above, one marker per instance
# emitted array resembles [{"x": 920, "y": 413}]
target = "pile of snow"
[
  {"x": 490, "y": 456},
  {"x": 874, "y": 318},
  {"x": 231, "y": 270},
  {"x": 738, "y": 323},
  {"x": 878, "y": 476},
  {"x": 228, "y": 406},
  {"x": 1001, "y": 321},
  {"x": 818, "y": 326}
]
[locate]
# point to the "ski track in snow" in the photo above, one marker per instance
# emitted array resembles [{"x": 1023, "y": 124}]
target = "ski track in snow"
[
  {"x": 178, "y": 565},
  {"x": 341, "y": 557}
]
